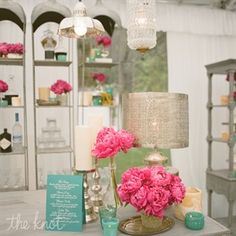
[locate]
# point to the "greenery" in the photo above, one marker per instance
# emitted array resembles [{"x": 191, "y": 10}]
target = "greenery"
[{"x": 134, "y": 157}]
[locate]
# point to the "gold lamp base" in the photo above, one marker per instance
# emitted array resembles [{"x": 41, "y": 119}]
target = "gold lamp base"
[{"x": 155, "y": 158}]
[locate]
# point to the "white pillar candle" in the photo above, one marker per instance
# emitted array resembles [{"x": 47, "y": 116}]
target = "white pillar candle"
[
  {"x": 96, "y": 123},
  {"x": 83, "y": 147},
  {"x": 16, "y": 101}
]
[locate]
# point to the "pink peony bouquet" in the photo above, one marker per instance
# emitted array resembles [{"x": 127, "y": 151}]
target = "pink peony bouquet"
[
  {"x": 100, "y": 77},
  {"x": 3, "y": 86},
  {"x": 109, "y": 142},
  {"x": 6, "y": 48},
  {"x": 3, "y": 49},
  {"x": 151, "y": 189},
  {"x": 16, "y": 48},
  {"x": 61, "y": 86},
  {"x": 104, "y": 40}
]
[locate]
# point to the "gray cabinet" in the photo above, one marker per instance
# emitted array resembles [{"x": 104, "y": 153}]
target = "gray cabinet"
[{"x": 221, "y": 181}]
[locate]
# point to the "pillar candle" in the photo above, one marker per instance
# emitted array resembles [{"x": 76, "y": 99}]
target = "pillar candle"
[
  {"x": 16, "y": 101},
  {"x": 191, "y": 202},
  {"x": 83, "y": 146},
  {"x": 96, "y": 123},
  {"x": 44, "y": 93}
]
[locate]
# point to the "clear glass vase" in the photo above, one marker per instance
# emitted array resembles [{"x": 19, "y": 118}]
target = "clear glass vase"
[{"x": 111, "y": 197}]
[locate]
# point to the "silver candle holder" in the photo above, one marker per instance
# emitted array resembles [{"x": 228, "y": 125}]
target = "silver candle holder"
[
  {"x": 90, "y": 216},
  {"x": 96, "y": 189}
]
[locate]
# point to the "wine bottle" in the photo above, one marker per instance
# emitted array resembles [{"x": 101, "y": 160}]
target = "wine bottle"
[
  {"x": 5, "y": 141},
  {"x": 17, "y": 134}
]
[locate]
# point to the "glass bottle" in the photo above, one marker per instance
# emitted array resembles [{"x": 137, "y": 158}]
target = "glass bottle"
[
  {"x": 49, "y": 43},
  {"x": 60, "y": 50},
  {"x": 5, "y": 141},
  {"x": 17, "y": 134}
]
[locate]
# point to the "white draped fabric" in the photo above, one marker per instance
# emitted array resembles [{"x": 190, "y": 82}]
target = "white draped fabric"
[{"x": 187, "y": 56}]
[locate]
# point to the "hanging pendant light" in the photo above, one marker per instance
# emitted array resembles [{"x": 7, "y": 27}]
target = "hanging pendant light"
[
  {"x": 141, "y": 29},
  {"x": 80, "y": 25}
]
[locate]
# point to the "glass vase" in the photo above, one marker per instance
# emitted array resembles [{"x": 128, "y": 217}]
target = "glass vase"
[
  {"x": 111, "y": 197},
  {"x": 63, "y": 99}
]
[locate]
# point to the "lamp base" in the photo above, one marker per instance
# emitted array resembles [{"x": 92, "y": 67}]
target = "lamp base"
[{"x": 155, "y": 158}]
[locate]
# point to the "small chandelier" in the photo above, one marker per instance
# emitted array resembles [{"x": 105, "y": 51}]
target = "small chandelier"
[
  {"x": 141, "y": 27},
  {"x": 80, "y": 25}
]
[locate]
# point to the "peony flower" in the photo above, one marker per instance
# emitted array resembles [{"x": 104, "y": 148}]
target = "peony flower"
[
  {"x": 17, "y": 48},
  {"x": 3, "y": 86},
  {"x": 3, "y": 49},
  {"x": 150, "y": 189},
  {"x": 61, "y": 86},
  {"x": 109, "y": 142},
  {"x": 126, "y": 140},
  {"x": 104, "y": 40},
  {"x": 100, "y": 77}
]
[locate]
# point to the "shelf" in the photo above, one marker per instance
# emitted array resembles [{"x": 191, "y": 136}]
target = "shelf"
[
  {"x": 221, "y": 67},
  {"x": 52, "y": 63},
  {"x": 11, "y": 62},
  {"x": 98, "y": 65},
  {"x": 14, "y": 107},
  {"x": 223, "y": 174},
  {"x": 66, "y": 149},
  {"x": 54, "y": 106},
  {"x": 13, "y": 189},
  {"x": 220, "y": 140},
  {"x": 21, "y": 152},
  {"x": 114, "y": 106},
  {"x": 219, "y": 105}
]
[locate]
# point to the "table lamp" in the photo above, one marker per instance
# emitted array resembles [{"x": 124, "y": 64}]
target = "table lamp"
[{"x": 158, "y": 120}]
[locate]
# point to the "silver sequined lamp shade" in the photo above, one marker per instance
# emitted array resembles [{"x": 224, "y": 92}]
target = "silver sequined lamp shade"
[{"x": 157, "y": 119}]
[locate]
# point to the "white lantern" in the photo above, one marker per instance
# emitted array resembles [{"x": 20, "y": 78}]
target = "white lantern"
[{"x": 141, "y": 27}]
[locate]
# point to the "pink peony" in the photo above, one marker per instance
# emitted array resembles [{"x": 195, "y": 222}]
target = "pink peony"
[
  {"x": 126, "y": 140},
  {"x": 3, "y": 86},
  {"x": 61, "y": 86},
  {"x": 150, "y": 189},
  {"x": 108, "y": 143},
  {"x": 3, "y": 49},
  {"x": 17, "y": 48},
  {"x": 104, "y": 40},
  {"x": 99, "y": 77}
]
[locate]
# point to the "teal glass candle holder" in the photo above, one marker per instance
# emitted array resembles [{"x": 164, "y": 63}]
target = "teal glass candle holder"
[
  {"x": 110, "y": 226},
  {"x": 106, "y": 212},
  {"x": 194, "y": 220},
  {"x": 97, "y": 100},
  {"x": 3, "y": 103}
]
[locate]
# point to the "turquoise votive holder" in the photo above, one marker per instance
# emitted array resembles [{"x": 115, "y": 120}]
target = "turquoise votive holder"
[
  {"x": 3, "y": 103},
  {"x": 106, "y": 212},
  {"x": 97, "y": 100},
  {"x": 110, "y": 226},
  {"x": 194, "y": 220}
]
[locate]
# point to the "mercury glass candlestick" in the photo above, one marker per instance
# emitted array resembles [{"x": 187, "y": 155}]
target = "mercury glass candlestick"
[
  {"x": 90, "y": 216},
  {"x": 96, "y": 189}
]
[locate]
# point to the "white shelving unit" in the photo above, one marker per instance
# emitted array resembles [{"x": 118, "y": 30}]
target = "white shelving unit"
[
  {"x": 63, "y": 157},
  {"x": 14, "y": 177}
]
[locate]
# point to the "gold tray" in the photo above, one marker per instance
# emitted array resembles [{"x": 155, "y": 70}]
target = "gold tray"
[
  {"x": 133, "y": 226},
  {"x": 47, "y": 103}
]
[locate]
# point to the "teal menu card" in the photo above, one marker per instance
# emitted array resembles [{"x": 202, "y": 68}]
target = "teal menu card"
[{"x": 64, "y": 203}]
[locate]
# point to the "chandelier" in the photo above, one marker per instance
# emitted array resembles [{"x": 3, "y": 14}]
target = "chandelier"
[
  {"x": 141, "y": 28},
  {"x": 80, "y": 25}
]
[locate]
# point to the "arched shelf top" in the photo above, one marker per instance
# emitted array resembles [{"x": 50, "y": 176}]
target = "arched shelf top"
[
  {"x": 12, "y": 11},
  {"x": 49, "y": 11}
]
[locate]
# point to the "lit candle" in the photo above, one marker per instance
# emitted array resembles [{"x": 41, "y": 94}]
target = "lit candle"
[
  {"x": 96, "y": 123},
  {"x": 83, "y": 146}
]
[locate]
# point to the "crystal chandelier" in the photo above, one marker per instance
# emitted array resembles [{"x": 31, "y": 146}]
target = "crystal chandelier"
[{"x": 141, "y": 28}]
